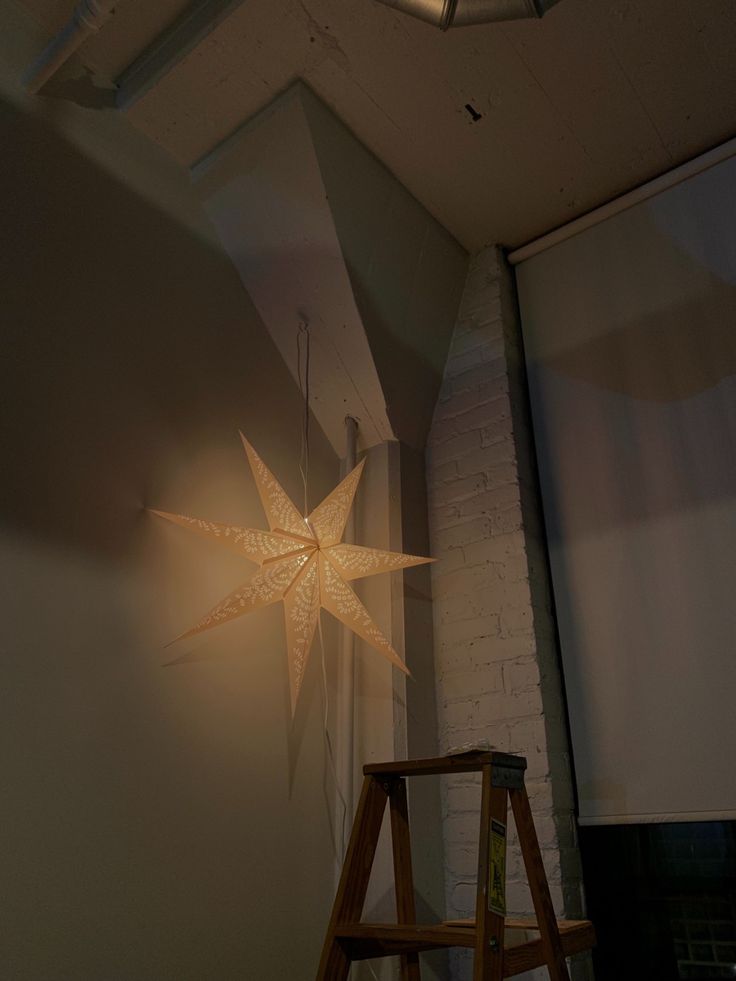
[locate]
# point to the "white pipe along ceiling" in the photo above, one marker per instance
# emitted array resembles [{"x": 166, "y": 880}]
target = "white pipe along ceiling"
[
  {"x": 466, "y": 13},
  {"x": 90, "y": 15}
]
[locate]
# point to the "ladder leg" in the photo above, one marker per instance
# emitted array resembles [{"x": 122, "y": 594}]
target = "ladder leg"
[
  {"x": 403, "y": 875},
  {"x": 335, "y": 963},
  {"x": 539, "y": 887},
  {"x": 489, "y": 923}
]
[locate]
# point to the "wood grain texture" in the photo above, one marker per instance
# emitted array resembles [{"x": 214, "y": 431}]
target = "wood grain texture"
[
  {"x": 350, "y": 940},
  {"x": 463, "y": 763},
  {"x": 531, "y": 954},
  {"x": 551, "y": 944},
  {"x": 363, "y": 940},
  {"x": 489, "y": 925},
  {"x": 403, "y": 873},
  {"x": 335, "y": 963}
]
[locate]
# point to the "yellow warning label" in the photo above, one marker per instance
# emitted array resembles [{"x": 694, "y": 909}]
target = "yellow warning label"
[{"x": 497, "y": 869}]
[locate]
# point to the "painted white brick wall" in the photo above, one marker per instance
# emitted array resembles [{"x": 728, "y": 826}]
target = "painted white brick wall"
[{"x": 495, "y": 654}]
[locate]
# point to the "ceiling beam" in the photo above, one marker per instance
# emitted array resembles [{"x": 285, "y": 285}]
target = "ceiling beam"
[{"x": 170, "y": 47}]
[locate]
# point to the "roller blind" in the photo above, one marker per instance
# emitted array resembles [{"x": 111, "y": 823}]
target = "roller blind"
[{"x": 630, "y": 341}]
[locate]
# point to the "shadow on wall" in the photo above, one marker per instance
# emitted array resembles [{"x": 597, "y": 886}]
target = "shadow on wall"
[
  {"x": 75, "y": 83},
  {"x": 652, "y": 394},
  {"x": 410, "y": 368},
  {"x": 149, "y": 830},
  {"x": 121, "y": 333},
  {"x": 670, "y": 355}
]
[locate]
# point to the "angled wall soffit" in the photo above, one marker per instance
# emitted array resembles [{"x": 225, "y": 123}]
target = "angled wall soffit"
[
  {"x": 319, "y": 230},
  {"x": 263, "y": 190}
]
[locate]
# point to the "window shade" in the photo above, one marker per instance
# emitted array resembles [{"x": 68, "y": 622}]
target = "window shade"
[{"x": 630, "y": 340}]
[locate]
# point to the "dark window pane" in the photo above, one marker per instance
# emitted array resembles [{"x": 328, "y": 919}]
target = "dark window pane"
[{"x": 663, "y": 900}]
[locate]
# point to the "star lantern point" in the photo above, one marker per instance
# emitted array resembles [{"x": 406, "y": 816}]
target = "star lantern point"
[{"x": 303, "y": 563}]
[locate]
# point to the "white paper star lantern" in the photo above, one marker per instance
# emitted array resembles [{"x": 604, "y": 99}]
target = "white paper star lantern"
[{"x": 303, "y": 563}]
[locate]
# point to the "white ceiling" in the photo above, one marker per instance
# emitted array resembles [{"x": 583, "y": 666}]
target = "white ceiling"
[{"x": 576, "y": 108}]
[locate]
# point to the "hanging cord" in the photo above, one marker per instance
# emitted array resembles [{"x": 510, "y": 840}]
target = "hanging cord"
[
  {"x": 303, "y": 339},
  {"x": 341, "y": 843}
]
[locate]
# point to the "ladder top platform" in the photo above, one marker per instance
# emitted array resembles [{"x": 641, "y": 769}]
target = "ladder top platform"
[{"x": 469, "y": 762}]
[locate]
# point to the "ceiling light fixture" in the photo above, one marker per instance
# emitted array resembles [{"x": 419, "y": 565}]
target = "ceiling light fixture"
[{"x": 466, "y": 13}]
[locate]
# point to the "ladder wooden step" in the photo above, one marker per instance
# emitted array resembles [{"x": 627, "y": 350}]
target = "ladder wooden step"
[
  {"x": 501, "y": 944},
  {"x": 365, "y": 940},
  {"x": 426, "y": 934}
]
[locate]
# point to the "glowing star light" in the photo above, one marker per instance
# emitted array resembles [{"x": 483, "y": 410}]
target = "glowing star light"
[{"x": 302, "y": 562}]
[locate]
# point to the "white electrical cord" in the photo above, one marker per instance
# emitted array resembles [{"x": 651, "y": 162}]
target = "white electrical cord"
[
  {"x": 340, "y": 845},
  {"x": 304, "y": 392},
  {"x": 342, "y": 849}
]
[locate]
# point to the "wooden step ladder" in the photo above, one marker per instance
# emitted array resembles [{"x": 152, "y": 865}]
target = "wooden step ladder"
[{"x": 496, "y": 957}]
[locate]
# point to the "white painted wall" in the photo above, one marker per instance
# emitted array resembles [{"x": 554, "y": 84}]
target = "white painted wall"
[
  {"x": 497, "y": 675},
  {"x": 320, "y": 230},
  {"x": 316, "y": 225},
  {"x": 161, "y": 817},
  {"x": 265, "y": 194},
  {"x": 406, "y": 271}
]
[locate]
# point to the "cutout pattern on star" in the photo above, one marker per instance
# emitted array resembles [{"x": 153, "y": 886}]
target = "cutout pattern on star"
[{"x": 304, "y": 564}]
